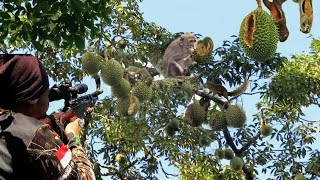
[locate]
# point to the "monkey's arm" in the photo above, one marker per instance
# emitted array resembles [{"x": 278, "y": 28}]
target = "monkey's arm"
[
  {"x": 276, "y": 11},
  {"x": 174, "y": 69}
]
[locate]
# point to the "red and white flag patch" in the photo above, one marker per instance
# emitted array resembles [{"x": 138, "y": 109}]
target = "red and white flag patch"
[{"x": 64, "y": 155}]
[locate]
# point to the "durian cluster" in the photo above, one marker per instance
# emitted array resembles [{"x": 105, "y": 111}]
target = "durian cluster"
[
  {"x": 234, "y": 116},
  {"x": 236, "y": 163},
  {"x": 112, "y": 72},
  {"x": 258, "y": 35}
]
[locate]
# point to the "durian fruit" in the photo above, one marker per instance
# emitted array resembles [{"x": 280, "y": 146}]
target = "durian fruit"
[
  {"x": 205, "y": 140},
  {"x": 299, "y": 177},
  {"x": 122, "y": 89},
  {"x": 121, "y": 159},
  {"x": 123, "y": 106},
  {"x": 208, "y": 43},
  {"x": 266, "y": 130},
  {"x": 235, "y": 116},
  {"x": 174, "y": 124},
  {"x": 91, "y": 63},
  {"x": 258, "y": 35},
  {"x": 219, "y": 153},
  {"x": 142, "y": 91},
  {"x": 228, "y": 153},
  {"x": 112, "y": 72},
  {"x": 169, "y": 130},
  {"x": 236, "y": 163},
  {"x": 122, "y": 43},
  {"x": 195, "y": 115},
  {"x": 217, "y": 121}
]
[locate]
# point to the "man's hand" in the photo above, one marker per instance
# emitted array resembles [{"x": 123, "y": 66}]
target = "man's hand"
[{"x": 73, "y": 127}]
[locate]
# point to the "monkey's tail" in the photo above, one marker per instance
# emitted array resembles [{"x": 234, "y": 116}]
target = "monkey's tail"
[{"x": 241, "y": 89}]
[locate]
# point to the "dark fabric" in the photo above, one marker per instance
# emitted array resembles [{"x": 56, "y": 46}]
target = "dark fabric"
[
  {"x": 23, "y": 79},
  {"x": 15, "y": 136},
  {"x": 28, "y": 151}
]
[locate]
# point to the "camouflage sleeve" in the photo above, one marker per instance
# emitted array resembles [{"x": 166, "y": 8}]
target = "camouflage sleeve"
[{"x": 55, "y": 160}]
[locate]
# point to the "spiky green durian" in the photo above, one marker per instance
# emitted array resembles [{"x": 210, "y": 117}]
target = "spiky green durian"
[
  {"x": 169, "y": 130},
  {"x": 299, "y": 177},
  {"x": 91, "y": 63},
  {"x": 198, "y": 114},
  {"x": 258, "y": 35},
  {"x": 235, "y": 116},
  {"x": 217, "y": 121},
  {"x": 127, "y": 106},
  {"x": 121, "y": 159},
  {"x": 236, "y": 163},
  {"x": 219, "y": 153},
  {"x": 112, "y": 72},
  {"x": 228, "y": 153},
  {"x": 266, "y": 130},
  {"x": 122, "y": 89},
  {"x": 174, "y": 124},
  {"x": 122, "y": 106},
  {"x": 205, "y": 140},
  {"x": 122, "y": 43},
  {"x": 142, "y": 91}
]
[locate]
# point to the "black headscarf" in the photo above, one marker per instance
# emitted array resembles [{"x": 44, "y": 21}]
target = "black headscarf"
[{"x": 23, "y": 79}]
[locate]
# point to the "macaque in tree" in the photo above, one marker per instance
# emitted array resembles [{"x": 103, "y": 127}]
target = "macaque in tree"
[
  {"x": 276, "y": 11},
  {"x": 177, "y": 56}
]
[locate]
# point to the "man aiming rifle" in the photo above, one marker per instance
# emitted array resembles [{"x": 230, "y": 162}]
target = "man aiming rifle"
[{"x": 30, "y": 148}]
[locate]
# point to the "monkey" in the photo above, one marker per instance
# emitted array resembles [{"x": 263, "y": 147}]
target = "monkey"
[
  {"x": 276, "y": 11},
  {"x": 306, "y": 15},
  {"x": 222, "y": 91},
  {"x": 132, "y": 72},
  {"x": 177, "y": 56}
]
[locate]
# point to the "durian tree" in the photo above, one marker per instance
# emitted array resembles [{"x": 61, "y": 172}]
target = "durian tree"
[{"x": 140, "y": 129}]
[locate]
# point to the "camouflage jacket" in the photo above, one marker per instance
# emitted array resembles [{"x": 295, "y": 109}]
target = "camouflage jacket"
[{"x": 30, "y": 149}]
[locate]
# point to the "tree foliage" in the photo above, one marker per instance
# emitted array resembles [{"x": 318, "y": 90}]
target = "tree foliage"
[{"x": 59, "y": 32}]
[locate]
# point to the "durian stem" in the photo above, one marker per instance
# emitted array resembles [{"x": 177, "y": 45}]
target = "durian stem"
[{"x": 259, "y": 3}]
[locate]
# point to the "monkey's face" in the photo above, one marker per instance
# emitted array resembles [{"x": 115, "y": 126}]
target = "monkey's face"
[{"x": 191, "y": 44}]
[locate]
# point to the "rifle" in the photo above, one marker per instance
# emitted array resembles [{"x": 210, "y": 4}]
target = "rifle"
[{"x": 74, "y": 105}]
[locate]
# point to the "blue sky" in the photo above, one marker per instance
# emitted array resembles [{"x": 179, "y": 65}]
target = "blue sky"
[{"x": 220, "y": 20}]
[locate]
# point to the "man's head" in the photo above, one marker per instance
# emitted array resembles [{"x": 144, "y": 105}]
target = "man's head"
[{"x": 24, "y": 85}]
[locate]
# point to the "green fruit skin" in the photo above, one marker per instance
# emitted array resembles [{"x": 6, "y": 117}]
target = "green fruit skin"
[
  {"x": 235, "y": 116},
  {"x": 266, "y": 130},
  {"x": 205, "y": 141},
  {"x": 229, "y": 154},
  {"x": 123, "y": 106},
  {"x": 299, "y": 177},
  {"x": 142, "y": 91},
  {"x": 198, "y": 114},
  {"x": 122, "y": 44},
  {"x": 219, "y": 153},
  {"x": 122, "y": 89},
  {"x": 217, "y": 121},
  {"x": 91, "y": 62},
  {"x": 170, "y": 131},
  {"x": 112, "y": 72},
  {"x": 174, "y": 123},
  {"x": 265, "y": 37},
  {"x": 121, "y": 159},
  {"x": 236, "y": 163}
]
